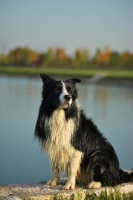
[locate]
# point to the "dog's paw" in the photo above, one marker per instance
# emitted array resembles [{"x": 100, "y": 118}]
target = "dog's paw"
[
  {"x": 52, "y": 183},
  {"x": 94, "y": 185},
  {"x": 69, "y": 185}
]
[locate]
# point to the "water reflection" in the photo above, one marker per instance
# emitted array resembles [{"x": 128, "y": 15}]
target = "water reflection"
[
  {"x": 95, "y": 99},
  {"x": 22, "y": 161}
]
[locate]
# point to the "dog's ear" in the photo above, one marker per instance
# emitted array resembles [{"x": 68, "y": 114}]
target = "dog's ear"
[
  {"x": 74, "y": 80},
  {"x": 45, "y": 78}
]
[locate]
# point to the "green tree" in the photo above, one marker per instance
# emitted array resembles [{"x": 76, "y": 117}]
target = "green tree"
[
  {"x": 114, "y": 59},
  {"x": 81, "y": 57},
  {"x": 49, "y": 57},
  {"x": 95, "y": 59},
  {"x": 77, "y": 57}
]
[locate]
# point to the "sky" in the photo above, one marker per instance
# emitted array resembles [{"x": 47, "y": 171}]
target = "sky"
[{"x": 71, "y": 24}]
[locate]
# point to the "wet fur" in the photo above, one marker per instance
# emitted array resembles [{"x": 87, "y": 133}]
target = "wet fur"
[
  {"x": 73, "y": 142},
  {"x": 59, "y": 148}
]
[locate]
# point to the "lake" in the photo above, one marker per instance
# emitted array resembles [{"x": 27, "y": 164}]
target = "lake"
[{"x": 21, "y": 158}]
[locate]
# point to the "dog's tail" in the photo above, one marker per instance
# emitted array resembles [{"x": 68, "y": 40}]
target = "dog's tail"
[{"x": 125, "y": 177}]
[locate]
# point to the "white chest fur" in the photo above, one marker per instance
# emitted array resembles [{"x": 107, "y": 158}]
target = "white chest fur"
[{"x": 58, "y": 145}]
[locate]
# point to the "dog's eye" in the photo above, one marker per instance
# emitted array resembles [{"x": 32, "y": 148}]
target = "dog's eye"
[
  {"x": 69, "y": 90},
  {"x": 58, "y": 88}
]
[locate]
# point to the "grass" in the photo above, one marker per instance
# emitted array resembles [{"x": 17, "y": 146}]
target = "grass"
[
  {"x": 82, "y": 73},
  {"x": 51, "y": 71},
  {"x": 111, "y": 196},
  {"x": 103, "y": 196}
]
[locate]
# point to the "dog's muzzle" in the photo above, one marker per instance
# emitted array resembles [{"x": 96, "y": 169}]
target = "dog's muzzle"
[
  {"x": 65, "y": 101},
  {"x": 67, "y": 97}
]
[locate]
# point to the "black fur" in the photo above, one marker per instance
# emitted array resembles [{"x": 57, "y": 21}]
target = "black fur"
[{"x": 100, "y": 160}]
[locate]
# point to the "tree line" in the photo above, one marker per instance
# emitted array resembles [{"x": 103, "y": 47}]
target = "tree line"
[{"x": 57, "y": 57}]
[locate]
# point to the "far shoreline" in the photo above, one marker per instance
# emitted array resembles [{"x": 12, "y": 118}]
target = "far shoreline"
[
  {"x": 103, "y": 82},
  {"x": 117, "y": 82}
]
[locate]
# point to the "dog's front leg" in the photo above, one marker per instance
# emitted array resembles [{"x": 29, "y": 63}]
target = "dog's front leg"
[
  {"x": 73, "y": 168},
  {"x": 55, "y": 177}
]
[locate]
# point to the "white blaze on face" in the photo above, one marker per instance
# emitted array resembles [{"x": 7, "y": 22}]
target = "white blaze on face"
[{"x": 63, "y": 101}]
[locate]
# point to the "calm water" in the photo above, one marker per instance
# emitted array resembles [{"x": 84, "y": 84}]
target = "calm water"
[{"x": 21, "y": 159}]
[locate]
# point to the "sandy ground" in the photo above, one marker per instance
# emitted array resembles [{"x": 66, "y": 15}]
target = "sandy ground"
[{"x": 41, "y": 191}]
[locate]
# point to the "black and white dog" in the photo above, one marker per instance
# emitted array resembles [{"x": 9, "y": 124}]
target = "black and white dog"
[{"x": 73, "y": 143}]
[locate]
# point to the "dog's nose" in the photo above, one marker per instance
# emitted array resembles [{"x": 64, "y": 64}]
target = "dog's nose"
[{"x": 67, "y": 97}]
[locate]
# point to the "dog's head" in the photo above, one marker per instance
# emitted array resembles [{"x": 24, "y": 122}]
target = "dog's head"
[{"x": 59, "y": 94}]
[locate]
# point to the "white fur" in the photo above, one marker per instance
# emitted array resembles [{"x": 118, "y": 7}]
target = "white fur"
[
  {"x": 94, "y": 185},
  {"x": 74, "y": 167},
  {"x": 64, "y": 92},
  {"x": 58, "y": 145},
  {"x": 63, "y": 155}
]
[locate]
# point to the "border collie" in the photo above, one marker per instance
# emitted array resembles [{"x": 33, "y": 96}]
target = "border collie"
[{"x": 72, "y": 141}]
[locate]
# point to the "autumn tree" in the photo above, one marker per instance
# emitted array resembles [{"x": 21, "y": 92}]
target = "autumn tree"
[
  {"x": 61, "y": 58},
  {"x": 23, "y": 57},
  {"x": 58, "y": 57},
  {"x": 104, "y": 57}
]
